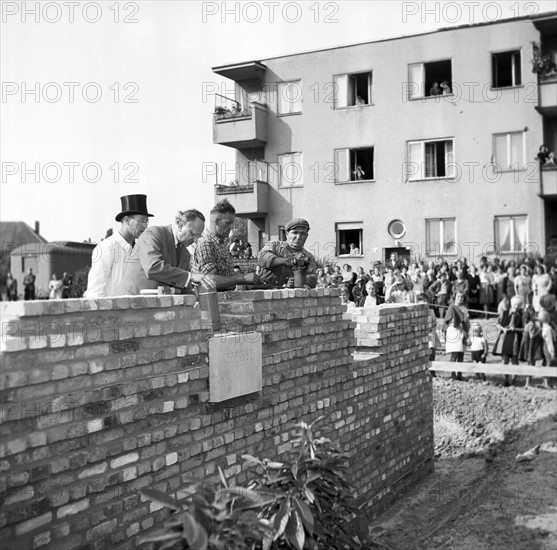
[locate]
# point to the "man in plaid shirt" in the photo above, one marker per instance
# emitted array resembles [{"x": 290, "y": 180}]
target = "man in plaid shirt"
[{"x": 212, "y": 255}]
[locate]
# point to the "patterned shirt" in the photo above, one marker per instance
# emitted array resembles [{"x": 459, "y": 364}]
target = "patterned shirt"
[{"x": 212, "y": 253}]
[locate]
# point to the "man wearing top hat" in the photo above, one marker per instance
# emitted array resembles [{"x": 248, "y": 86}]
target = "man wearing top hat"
[
  {"x": 277, "y": 258},
  {"x": 116, "y": 255}
]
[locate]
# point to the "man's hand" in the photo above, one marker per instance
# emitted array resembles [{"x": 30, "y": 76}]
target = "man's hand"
[
  {"x": 203, "y": 280},
  {"x": 252, "y": 279}
]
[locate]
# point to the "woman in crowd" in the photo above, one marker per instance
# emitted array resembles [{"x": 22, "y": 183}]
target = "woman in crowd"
[
  {"x": 474, "y": 286},
  {"x": 523, "y": 285},
  {"x": 456, "y": 328},
  {"x": 511, "y": 323},
  {"x": 487, "y": 282},
  {"x": 55, "y": 288}
]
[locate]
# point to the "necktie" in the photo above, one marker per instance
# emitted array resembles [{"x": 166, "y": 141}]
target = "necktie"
[{"x": 178, "y": 253}]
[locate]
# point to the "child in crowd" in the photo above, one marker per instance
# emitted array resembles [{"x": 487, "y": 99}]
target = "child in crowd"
[
  {"x": 371, "y": 291},
  {"x": 478, "y": 348},
  {"x": 345, "y": 297}
]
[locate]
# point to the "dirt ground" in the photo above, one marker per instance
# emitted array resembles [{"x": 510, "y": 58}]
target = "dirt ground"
[{"x": 480, "y": 497}]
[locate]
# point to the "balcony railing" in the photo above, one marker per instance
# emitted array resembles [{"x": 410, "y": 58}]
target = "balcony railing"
[
  {"x": 548, "y": 180},
  {"x": 546, "y": 69},
  {"x": 250, "y": 196},
  {"x": 237, "y": 126},
  {"x": 226, "y": 108}
]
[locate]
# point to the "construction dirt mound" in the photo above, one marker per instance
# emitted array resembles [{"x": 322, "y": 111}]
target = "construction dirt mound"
[{"x": 495, "y": 480}]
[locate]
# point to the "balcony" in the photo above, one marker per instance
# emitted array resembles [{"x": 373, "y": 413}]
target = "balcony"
[
  {"x": 547, "y": 104},
  {"x": 548, "y": 181},
  {"x": 250, "y": 198},
  {"x": 544, "y": 65},
  {"x": 238, "y": 127}
]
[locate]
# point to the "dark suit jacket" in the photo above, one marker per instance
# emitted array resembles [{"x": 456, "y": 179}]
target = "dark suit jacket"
[{"x": 157, "y": 261}]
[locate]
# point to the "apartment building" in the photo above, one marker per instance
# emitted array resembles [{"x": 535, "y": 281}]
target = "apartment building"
[{"x": 421, "y": 145}]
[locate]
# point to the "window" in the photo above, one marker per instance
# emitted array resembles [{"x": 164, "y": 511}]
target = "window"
[
  {"x": 430, "y": 79},
  {"x": 430, "y": 159},
  {"x": 505, "y": 69},
  {"x": 352, "y": 89},
  {"x": 290, "y": 170},
  {"x": 440, "y": 236},
  {"x": 511, "y": 233},
  {"x": 354, "y": 164},
  {"x": 508, "y": 151},
  {"x": 350, "y": 239},
  {"x": 289, "y": 97}
]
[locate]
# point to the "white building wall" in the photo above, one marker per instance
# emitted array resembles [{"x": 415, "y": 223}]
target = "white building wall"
[{"x": 471, "y": 117}]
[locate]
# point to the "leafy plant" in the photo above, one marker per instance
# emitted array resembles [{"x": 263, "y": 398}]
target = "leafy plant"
[
  {"x": 312, "y": 506},
  {"x": 300, "y": 501},
  {"x": 224, "y": 518}
]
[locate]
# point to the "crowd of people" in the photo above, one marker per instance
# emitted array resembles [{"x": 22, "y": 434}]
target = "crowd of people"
[
  {"x": 520, "y": 295},
  {"x": 57, "y": 288},
  {"x": 139, "y": 259},
  {"x": 483, "y": 286}
]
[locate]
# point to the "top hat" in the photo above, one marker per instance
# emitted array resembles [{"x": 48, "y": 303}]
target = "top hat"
[{"x": 133, "y": 204}]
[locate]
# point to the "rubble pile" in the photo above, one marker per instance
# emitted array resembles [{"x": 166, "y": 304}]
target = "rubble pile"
[{"x": 473, "y": 418}]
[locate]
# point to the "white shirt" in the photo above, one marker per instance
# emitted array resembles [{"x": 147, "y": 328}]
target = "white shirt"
[{"x": 112, "y": 259}]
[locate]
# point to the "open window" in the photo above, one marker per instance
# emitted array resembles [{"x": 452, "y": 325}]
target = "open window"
[
  {"x": 354, "y": 164},
  {"x": 505, "y": 69},
  {"x": 350, "y": 239},
  {"x": 430, "y": 79},
  {"x": 432, "y": 159},
  {"x": 352, "y": 89}
]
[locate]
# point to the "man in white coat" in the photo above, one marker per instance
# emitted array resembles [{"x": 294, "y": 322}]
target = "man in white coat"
[{"x": 116, "y": 255}]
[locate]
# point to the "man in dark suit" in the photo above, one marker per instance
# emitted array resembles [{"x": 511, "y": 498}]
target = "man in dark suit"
[{"x": 163, "y": 256}]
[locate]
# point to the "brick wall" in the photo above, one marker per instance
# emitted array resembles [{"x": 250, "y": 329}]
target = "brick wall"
[{"x": 100, "y": 398}]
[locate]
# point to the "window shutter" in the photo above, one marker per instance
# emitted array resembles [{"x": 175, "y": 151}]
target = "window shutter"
[
  {"x": 501, "y": 159},
  {"x": 449, "y": 159},
  {"x": 295, "y": 97},
  {"x": 517, "y": 159},
  {"x": 342, "y": 164},
  {"x": 340, "y": 89},
  {"x": 283, "y": 103},
  {"x": 416, "y": 88},
  {"x": 517, "y": 78},
  {"x": 415, "y": 167}
]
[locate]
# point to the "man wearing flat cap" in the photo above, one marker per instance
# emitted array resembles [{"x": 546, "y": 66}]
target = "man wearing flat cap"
[
  {"x": 277, "y": 258},
  {"x": 116, "y": 255}
]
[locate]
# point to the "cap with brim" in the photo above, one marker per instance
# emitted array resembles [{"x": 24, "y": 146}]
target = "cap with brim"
[
  {"x": 296, "y": 222},
  {"x": 133, "y": 204}
]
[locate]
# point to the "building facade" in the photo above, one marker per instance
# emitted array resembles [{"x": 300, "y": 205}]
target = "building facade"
[{"x": 423, "y": 145}]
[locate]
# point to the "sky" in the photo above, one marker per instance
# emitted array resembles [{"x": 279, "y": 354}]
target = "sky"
[{"x": 104, "y": 99}]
